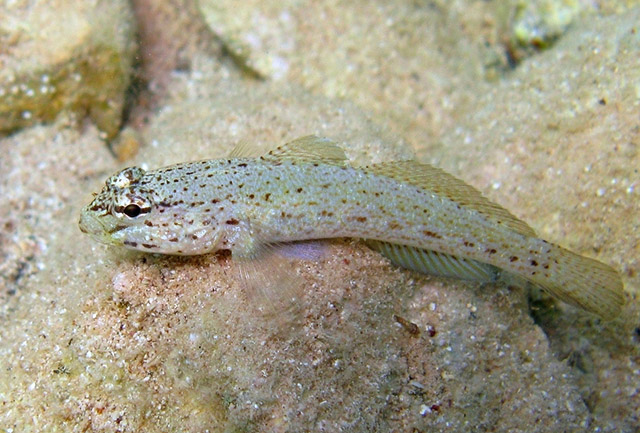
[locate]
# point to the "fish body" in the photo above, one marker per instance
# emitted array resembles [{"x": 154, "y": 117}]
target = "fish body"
[{"x": 417, "y": 215}]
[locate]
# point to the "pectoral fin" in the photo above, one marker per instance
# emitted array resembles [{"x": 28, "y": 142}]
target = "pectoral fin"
[{"x": 267, "y": 274}]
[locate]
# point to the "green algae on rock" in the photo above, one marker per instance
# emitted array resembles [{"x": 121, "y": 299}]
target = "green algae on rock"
[
  {"x": 539, "y": 23},
  {"x": 64, "y": 55}
]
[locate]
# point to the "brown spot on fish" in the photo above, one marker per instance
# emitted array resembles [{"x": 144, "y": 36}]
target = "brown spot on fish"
[
  {"x": 118, "y": 228},
  {"x": 431, "y": 234}
]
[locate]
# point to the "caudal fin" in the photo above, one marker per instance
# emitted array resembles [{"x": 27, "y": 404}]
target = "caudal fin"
[{"x": 583, "y": 282}]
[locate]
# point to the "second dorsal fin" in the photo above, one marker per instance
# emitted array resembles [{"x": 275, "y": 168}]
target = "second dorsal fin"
[
  {"x": 309, "y": 149},
  {"x": 442, "y": 183}
]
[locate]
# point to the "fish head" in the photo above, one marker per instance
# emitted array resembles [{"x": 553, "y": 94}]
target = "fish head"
[{"x": 143, "y": 211}]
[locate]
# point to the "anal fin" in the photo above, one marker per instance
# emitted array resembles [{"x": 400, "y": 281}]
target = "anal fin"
[{"x": 435, "y": 263}]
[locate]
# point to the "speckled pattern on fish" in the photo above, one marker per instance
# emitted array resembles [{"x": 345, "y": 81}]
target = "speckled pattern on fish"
[{"x": 417, "y": 215}]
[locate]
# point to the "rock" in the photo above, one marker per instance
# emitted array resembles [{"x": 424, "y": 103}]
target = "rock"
[
  {"x": 415, "y": 65},
  {"x": 99, "y": 339},
  {"x": 396, "y": 63},
  {"x": 64, "y": 56}
]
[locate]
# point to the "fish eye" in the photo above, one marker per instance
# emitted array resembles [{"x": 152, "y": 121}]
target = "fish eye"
[{"x": 132, "y": 210}]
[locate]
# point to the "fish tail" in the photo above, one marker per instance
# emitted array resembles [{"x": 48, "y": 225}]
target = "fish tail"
[{"x": 580, "y": 281}]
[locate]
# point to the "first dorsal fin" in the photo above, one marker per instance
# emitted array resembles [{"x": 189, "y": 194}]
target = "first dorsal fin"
[
  {"x": 442, "y": 183},
  {"x": 245, "y": 149},
  {"x": 309, "y": 149}
]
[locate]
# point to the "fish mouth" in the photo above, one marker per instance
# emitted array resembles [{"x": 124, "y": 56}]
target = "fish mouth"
[
  {"x": 93, "y": 226},
  {"x": 86, "y": 223}
]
